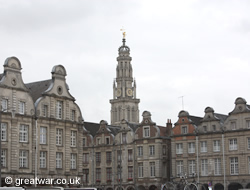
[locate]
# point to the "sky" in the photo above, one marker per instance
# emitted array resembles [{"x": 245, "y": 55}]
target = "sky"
[{"x": 186, "y": 54}]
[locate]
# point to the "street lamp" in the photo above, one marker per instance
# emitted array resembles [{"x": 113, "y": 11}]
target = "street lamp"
[{"x": 13, "y": 115}]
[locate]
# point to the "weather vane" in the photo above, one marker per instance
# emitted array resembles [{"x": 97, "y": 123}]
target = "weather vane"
[{"x": 123, "y": 32}]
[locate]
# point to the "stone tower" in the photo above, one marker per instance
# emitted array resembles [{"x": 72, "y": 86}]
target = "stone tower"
[{"x": 124, "y": 104}]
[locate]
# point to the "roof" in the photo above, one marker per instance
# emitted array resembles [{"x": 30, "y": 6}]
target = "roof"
[
  {"x": 221, "y": 117},
  {"x": 94, "y": 127},
  {"x": 1, "y": 76},
  {"x": 195, "y": 119},
  {"x": 37, "y": 88}
]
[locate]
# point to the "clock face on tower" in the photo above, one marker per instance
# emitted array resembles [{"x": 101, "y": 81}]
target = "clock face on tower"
[
  {"x": 129, "y": 92},
  {"x": 118, "y": 92}
]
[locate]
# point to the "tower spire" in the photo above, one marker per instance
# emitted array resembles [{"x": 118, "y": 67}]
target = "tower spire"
[{"x": 124, "y": 104}]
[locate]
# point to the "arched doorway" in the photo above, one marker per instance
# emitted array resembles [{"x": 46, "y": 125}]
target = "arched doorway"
[
  {"x": 234, "y": 186},
  {"x": 130, "y": 188},
  {"x": 152, "y": 187},
  {"x": 218, "y": 186},
  {"x": 141, "y": 187}
]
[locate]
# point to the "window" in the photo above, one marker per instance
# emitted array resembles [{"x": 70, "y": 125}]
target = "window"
[
  {"x": 140, "y": 150},
  {"x": 248, "y": 124},
  {"x": 73, "y": 161},
  {"x": 4, "y": 104},
  {"x": 203, "y": 146},
  {"x": 151, "y": 150},
  {"x": 43, "y": 156},
  {"x": 108, "y": 157},
  {"x": 73, "y": 138},
  {"x": 3, "y": 132},
  {"x": 191, "y": 147},
  {"x": 124, "y": 139},
  {"x": 85, "y": 158},
  {"x": 234, "y": 166},
  {"x": 73, "y": 115},
  {"x": 233, "y": 125},
  {"x": 85, "y": 175},
  {"x": 214, "y": 127},
  {"x": 164, "y": 150},
  {"x": 184, "y": 130},
  {"x": 233, "y": 144},
  {"x": 119, "y": 172},
  {"x": 204, "y": 129},
  {"x": 4, "y": 158},
  {"x": 130, "y": 172},
  {"x": 179, "y": 167},
  {"x": 140, "y": 170},
  {"x": 248, "y": 143},
  {"x": 130, "y": 155},
  {"x": 98, "y": 157},
  {"x": 45, "y": 110},
  {"x": 84, "y": 142},
  {"x": 21, "y": 107},
  {"x": 59, "y": 133},
  {"x": 59, "y": 108},
  {"x": 204, "y": 167},
  {"x": 249, "y": 164},
  {"x": 179, "y": 148},
  {"x": 146, "y": 132},
  {"x": 23, "y": 133},
  {"x": 43, "y": 135},
  {"x": 152, "y": 169},
  {"x": 23, "y": 159},
  {"x": 98, "y": 174},
  {"x": 217, "y": 166},
  {"x": 119, "y": 155},
  {"x": 191, "y": 167},
  {"x": 59, "y": 157},
  {"x": 98, "y": 140},
  {"x": 107, "y": 140},
  {"x": 216, "y": 147},
  {"x": 109, "y": 174}
]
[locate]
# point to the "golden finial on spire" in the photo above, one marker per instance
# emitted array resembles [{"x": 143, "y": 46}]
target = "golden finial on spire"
[{"x": 123, "y": 32}]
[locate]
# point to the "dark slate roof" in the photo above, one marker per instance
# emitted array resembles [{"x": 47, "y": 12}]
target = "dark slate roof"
[
  {"x": 195, "y": 119},
  {"x": 221, "y": 117},
  {"x": 94, "y": 127},
  {"x": 133, "y": 126},
  {"x": 1, "y": 76},
  {"x": 37, "y": 88}
]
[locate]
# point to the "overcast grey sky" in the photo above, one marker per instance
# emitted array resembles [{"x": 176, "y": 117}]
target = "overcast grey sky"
[{"x": 199, "y": 49}]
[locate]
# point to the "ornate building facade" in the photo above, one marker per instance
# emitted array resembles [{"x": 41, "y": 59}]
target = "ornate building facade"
[
  {"x": 126, "y": 157},
  {"x": 41, "y": 126},
  {"x": 215, "y": 147}
]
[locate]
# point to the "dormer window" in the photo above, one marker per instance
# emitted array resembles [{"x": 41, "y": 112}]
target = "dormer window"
[
  {"x": 59, "y": 108},
  {"x": 184, "y": 130},
  {"x": 98, "y": 141},
  {"x": 233, "y": 125},
  {"x": 124, "y": 139},
  {"x": 146, "y": 132},
  {"x": 107, "y": 140},
  {"x": 214, "y": 127},
  {"x": 248, "y": 124},
  {"x": 4, "y": 105},
  {"x": 21, "y": 107},
  {"x": 205, "y": 129}
]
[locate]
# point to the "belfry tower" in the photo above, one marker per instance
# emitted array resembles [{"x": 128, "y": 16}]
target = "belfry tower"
[{"x": 124, "y": 104}]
